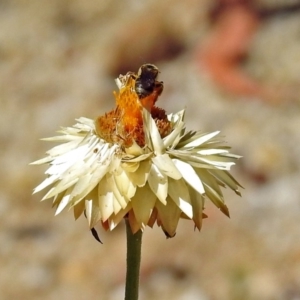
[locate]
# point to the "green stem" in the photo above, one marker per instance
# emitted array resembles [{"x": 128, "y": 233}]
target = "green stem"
[{"x": 134, "y": 245}]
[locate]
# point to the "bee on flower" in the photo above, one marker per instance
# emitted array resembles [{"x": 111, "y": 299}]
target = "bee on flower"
[{"x": 137, "y": 162}]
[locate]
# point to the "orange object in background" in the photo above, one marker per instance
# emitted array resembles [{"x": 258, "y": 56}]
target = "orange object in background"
[
  {"x": 235, "y": 23},
  {"x": 227, "y": 46}
]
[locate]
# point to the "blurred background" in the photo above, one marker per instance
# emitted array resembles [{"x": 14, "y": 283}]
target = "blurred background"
[{"x": 233, "y": 64}]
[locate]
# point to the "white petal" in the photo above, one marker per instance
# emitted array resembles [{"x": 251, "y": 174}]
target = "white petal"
[
  {"x": 79, "y": 209},
  {"x": 61, "y": 138},
  {"x": 173, "y": 138},
  {"x": 166, "y": 165},
  {"x": 112, "y": 186},
  {"x": 54, "y": 190},
  {"x": 117, "y": 206},
  {"x": 114, "y": 220},
  {"x": 106, "y": 199},
  {"x": 200, "y": 140},
  {"x": 125, "y": 186},
  {"x": 72, "y": 148},
  {"x": 158, "y": 182},
  {"x": 92, "y": 213},
  {"x": 142, "y": 204},
  {"x": 134, "y": 150},
  {"x": 216, "y": 199},
  {"x": 169, "y": 215},
  {"x": 212, "y": 151},
  {"x": 48, "y": 181},
  {"x": 64, "y": 202},
  {"x": 209, "y": 180},
  {"x": 228, "y": 179},
  {"x": 57, "y": 198},
  {"x": 179, "y": 193},
  {"x": 140, "y": 177},
  {"x": 190, "y": 158},
  {"x": 154, "y": 135},
  {"x": 61, "y": 168},
  {"x": 198, "y": 205},
  {"x": 130, "y": 166},
  {"x": 42, "y": 161},
  {"x": 189, "y": 175},
  {"x": 98, "y": 173},
  {"x": 212, "y": 190},
  {"x": 87, "y": 183},
  {"x": 222, "y": 165},
  {"x": 137, "y": 158},
  {"x": 85, "y": 123},
  {"x": 176, "y": 117}
]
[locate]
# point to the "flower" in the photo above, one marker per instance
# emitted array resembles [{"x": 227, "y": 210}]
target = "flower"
[{"x": 137, "y": 163}]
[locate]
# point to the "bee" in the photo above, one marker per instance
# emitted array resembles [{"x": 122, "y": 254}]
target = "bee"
[{"x": 146, "y": 85}]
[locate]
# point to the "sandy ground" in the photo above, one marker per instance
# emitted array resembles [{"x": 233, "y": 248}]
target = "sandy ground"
[{"x": 58, "y": 60}]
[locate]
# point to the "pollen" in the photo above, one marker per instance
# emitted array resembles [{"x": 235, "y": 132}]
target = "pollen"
[{"x": 128, "y": 102}]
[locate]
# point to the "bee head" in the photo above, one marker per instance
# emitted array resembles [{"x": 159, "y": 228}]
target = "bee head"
[{"x": 148, "y": 70}]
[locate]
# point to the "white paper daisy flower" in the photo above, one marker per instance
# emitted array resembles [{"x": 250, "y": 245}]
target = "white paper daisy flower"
[{"x": 139, "y": 164}]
